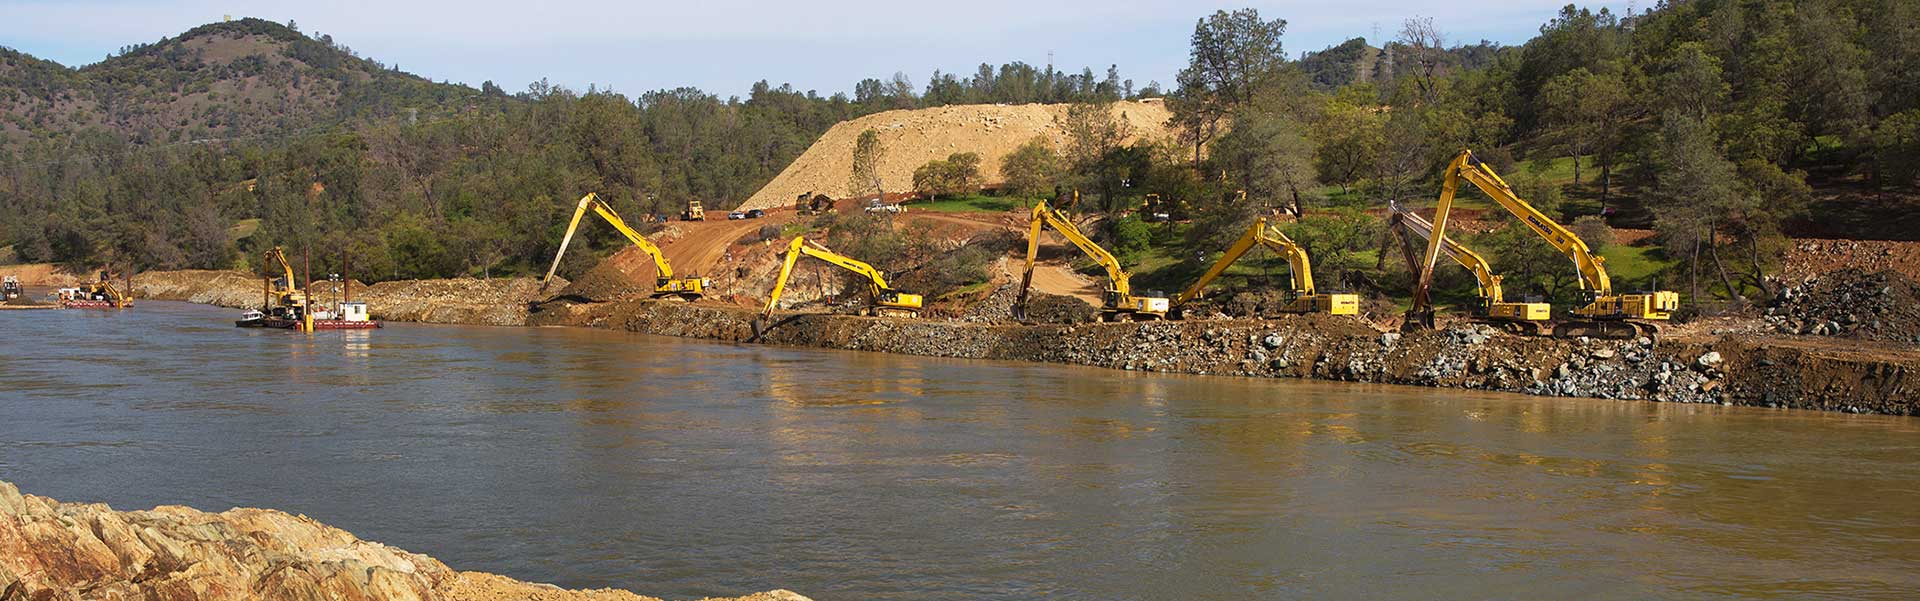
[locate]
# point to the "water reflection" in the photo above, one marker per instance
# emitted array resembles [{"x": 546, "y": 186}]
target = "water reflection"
[{"x": 686, "y": 468}]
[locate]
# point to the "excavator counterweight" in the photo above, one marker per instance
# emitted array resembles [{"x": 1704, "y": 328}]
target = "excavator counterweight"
[
  {"x": 664, "y": 286},
  {"x": 1306, "y": 299},
  {"x": 1118, "y": 302},
  {"x": 883, "y": 300}
]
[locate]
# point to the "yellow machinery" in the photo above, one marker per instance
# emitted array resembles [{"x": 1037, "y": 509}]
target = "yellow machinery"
[
  {"x": 1520, "y": 318},
  {"x": 1607, "y": 314},
  {"x": 102, "y": 290},
  {"x": 1305, "y": 300},
  {"x": 695, "y": 212},
  {"x": 883, "y": 300},
  {"x": 283, "y": 299},
  {"x": 1118, "y": 302},
  {"x": 664, "y": 286}
]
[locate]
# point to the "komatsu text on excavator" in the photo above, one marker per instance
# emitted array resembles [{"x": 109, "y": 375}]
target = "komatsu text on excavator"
[
  {"x": 1519, "y": 318},
  {"x": 1607, "y": 314},
  {"x": 1118, "y": 302},
  {"x": 882, "y": 299},
  {"x": 1305, "y": 298},
  {"x": 664, "y": 286}
]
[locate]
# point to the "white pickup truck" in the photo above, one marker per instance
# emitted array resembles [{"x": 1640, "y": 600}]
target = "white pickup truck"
[{"x": 875, "y": 206}]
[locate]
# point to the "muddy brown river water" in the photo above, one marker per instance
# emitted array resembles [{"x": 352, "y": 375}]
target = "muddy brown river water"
[{"x": 590, "y": 458}]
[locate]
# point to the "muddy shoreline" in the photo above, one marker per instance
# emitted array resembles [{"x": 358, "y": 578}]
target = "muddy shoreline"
[{"x": 1762, "y": 370}]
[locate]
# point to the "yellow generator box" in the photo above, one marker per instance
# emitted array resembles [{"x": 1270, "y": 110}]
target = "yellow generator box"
[{"x": 1340, "y": 304}]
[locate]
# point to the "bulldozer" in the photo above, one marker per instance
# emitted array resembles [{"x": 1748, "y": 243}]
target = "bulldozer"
[{"x": 694, "y": 212}]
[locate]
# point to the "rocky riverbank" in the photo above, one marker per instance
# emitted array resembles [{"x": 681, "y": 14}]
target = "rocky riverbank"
[
  {"x": 1734, "y": 369},
  {"x": 498, "y": 302},
  {"x": 54, "y": 551},
  {"x": 1746, "y": 365}
]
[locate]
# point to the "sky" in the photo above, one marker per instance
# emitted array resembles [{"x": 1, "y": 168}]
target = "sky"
[{"x": 724, "y": 46}]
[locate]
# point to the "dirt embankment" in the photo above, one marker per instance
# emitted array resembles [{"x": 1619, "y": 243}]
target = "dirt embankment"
[
  {"x": 53, "y": 551},
  {"x": 499, "y": 302},
  {"x": 1733, "y": 370},
  {"x": 913, "y": 137}
]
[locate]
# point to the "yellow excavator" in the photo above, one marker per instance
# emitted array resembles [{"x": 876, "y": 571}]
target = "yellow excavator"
[
  {"x": 283, "y": 299},
  {"x": 664, "y": 286},
  {"x": 882, "y": 299},
  {"x": 1607, "y": 314},
  {"x": 1519, "y": 318},
  {"x": 1118, "y": 302},
  {"x": 103, "y": 290},
  {"x": 1305, "y": 300}
]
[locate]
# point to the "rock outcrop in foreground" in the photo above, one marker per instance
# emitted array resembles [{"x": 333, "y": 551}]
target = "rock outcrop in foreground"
[{"x": 53, "y": 551}]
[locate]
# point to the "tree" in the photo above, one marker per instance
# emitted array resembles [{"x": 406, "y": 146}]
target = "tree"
[
  {"x": 1031, "y": 169},
  {"x": 1350, "y": 141},
  {"x": 1093, "y": 135},
  {"x": 1427, "y": 47},
  {"x": 1583, "y": 113},
  {"x": 867, "y": 155},
  {"x": 1696, "y": 187},
  {"x": 956, "y": 175},
  {"x": 1232, "y": 55},
  {"x": 1270, "y": 157}
]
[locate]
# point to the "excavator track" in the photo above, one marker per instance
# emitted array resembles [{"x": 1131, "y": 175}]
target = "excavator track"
[{"x": 1603, "y": 329}]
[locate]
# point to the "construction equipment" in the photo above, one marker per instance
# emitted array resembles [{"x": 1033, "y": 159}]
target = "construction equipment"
[
  {"x": 665, "y": 285},
  {"x": 694, "y": 212},
  {"x": 1118, "y": 301},
  {"x": 98, "y": 294},
  {"x": 882, "y": 300},
  {"x": 813, "y": 204},
  {"x": 1305, "y": 298},
  {"x": 281, "y": 299},
  {"x": 1606, "y": 315},
  {"x": 1519, "y": 318}
]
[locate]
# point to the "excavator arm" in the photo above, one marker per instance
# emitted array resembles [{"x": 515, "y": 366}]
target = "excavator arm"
[
  {"x": 1260, "y": 234},
  {"x": 1472, "y": 261},
  {"x": 1605, "y": 306},
  {"x": 664, "y": 285},
  {"x": 1306, "y": 299},
  {"x": 1119, "y": 296},
  {"x": 885, "y": 299},
  {"x": 1592, "y": 267}
]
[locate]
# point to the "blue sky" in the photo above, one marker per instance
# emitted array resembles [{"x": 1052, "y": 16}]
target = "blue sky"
[{"x": 723, "y": 46}]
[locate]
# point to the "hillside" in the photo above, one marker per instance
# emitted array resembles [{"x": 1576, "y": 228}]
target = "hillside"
[
  {"x": 913, "y": 137},
  {"x": 236, "y": 78}
]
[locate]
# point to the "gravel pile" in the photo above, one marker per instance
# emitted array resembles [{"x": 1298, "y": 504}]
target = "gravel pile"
[{"x": 1850, "y": 303}]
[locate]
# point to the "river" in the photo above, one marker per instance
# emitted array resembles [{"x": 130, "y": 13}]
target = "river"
[{"x": 682, "y": 468}]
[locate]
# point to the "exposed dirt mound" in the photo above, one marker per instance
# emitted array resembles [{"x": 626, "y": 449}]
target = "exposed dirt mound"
[
  {"x": 619, "y": 276},
  {"x": 997, "y": 307},
  {"x": 57, "y": 551},
  {"x": 1850, "y": 303},
  {"x": 913, "y": 137},
  {"x": 1811, "y": 257}
]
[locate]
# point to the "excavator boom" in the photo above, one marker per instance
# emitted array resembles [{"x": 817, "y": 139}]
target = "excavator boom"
[
  {"x": 885, "y": 300},
  {"x": 664, "y": 285},
  {"x": 1605, "y": 305},
  {"x": 1119, "y": 298},
  {"x": 1306, "y": 300},
  {"x": 1492, "y": 297}
]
